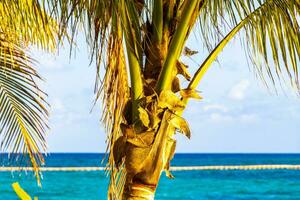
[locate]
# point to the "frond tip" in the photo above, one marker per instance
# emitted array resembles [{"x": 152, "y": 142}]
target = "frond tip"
[
  {"x": 271, "y": 30},
  {"x": 23, "y": 109}
]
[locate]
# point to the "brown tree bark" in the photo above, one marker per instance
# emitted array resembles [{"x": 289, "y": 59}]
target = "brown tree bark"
[{"x": 144, "y": 164}]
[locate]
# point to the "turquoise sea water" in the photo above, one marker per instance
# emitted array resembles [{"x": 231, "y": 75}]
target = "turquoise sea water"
[{"x": 189, "y": 185}]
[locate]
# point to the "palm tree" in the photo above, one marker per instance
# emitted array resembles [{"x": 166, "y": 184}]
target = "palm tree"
[
  {"x": 23, "y": 108},
  {"x": 139, "y": 45}
]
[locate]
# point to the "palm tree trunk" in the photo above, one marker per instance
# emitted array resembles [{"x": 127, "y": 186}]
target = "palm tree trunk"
[
  {"x": 144, "y": 164},
  {"x": 138, "y": 192}
]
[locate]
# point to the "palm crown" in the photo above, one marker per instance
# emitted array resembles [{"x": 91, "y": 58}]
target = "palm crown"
[{"x": 138, "y": 43}]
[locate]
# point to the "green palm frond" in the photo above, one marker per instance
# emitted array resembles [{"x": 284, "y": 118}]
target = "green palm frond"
[
  {"x": 23, "y": 109},
  {"x": 271, "y": 33},
  {"x": 28, "y": 21}
]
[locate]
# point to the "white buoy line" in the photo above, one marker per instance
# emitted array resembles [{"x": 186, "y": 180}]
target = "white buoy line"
[{"x": 174, "y": 168}]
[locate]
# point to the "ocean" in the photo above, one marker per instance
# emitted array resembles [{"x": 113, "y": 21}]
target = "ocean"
[{"x": 187, "y": 185}]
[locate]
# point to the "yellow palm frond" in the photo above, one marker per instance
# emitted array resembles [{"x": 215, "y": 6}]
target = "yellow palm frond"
[
  {"x": 270, "y": 29},
  {"x": 23, "y": 109},
  {"x": 28, "y": 21}
]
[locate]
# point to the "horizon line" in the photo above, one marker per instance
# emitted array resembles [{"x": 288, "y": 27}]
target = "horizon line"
[{"x": 175, "y": 153}]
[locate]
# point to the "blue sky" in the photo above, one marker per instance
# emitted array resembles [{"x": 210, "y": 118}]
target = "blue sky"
[{"x": 237, "y": 114}]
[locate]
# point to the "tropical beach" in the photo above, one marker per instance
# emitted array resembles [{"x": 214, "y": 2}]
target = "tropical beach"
[{"x": 143, "y": 100}]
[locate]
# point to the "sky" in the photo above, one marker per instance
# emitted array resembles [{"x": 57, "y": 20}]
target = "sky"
[{"x": 238, "y": 114}]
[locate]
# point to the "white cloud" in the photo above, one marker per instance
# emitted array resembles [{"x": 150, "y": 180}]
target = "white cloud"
[
  {"x": 215, "y": 107},
  {"x": 229, "y": 118},
  {"x": 50, "y": 64},
  {"x": 238, "y": 91},
  {"x": 217, "y": 117},
  {"x": 49, "y": 61},
  {"x": 248, "y": 118},
  {"x": 57, "y": 105}
]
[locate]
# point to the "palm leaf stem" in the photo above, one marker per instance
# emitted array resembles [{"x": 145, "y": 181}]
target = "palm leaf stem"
[
  {"x": 133, "y": 61},
  {"x": 218, "y": 49},
  {"x": 176, "y": 45}
]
